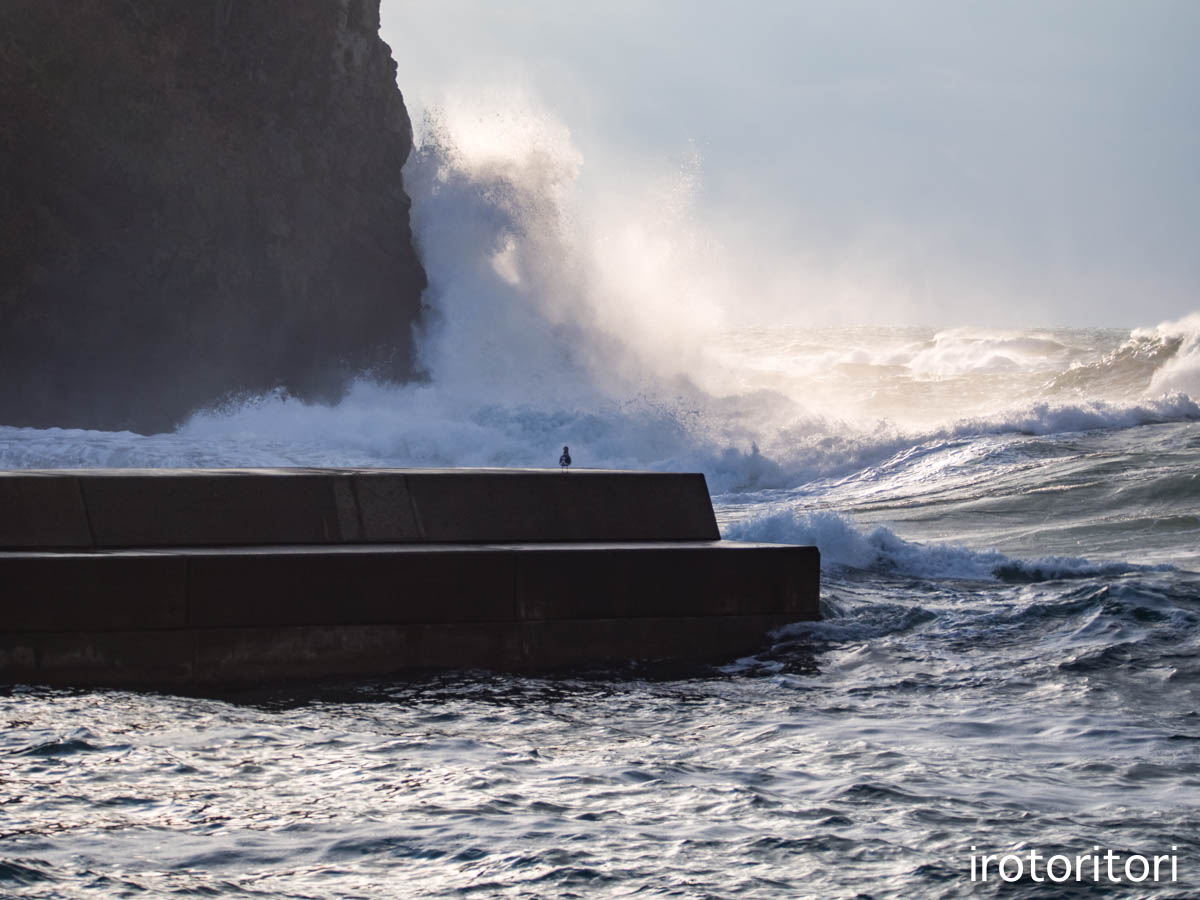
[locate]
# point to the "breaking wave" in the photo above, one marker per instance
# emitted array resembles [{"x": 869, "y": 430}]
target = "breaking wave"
[
  {"x": 1049, "y": 417},
  {"x": 845, "y": 546}
]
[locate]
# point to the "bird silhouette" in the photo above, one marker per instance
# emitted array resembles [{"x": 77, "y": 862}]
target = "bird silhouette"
[{"x": 565, "y": 459}]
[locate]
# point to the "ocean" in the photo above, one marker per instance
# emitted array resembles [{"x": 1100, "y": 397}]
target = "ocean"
[{"x": 1009, "y": 522}]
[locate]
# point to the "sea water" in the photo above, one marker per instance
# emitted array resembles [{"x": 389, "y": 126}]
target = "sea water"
[{"x": 1009, "y": 523}]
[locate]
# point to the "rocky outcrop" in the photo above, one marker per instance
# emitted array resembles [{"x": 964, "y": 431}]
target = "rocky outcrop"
[{"x": 197, "y": 198}]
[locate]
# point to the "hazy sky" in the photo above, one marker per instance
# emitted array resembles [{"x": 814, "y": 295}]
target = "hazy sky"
[{"x": 1006, "y": 163}]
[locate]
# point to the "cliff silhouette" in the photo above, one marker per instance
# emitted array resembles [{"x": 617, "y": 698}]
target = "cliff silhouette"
[{"x": 198, "y": 198}]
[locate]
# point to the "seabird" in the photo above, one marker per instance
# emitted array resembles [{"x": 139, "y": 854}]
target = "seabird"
[{"x": 565, "y": 459}]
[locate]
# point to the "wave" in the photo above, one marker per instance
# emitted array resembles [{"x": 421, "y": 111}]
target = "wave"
[
  {"x": 741, "y": 444},
  {"x": 1048, "y": 417},
  {"x": 555, "y": 323},
  {"x": 1141, "y": 625},
  {"x": 555, "y": 319},
  {"x": 1181, "y": 371},
  {"x": 845, "y": 546},
  {"x": 962, "y": 351},
  {"x": 862, "y": 622},
  {"x": 1164, "y": 359}
]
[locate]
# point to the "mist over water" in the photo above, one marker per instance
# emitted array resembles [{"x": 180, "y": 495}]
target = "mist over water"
[{"x": 1009, "y": 523}]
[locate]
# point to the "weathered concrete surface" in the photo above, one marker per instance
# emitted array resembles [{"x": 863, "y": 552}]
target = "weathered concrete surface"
[
  {"x": 225, "y": 656},
  {"x": 42, "y": 511},
  {"x": 48, "y": 592},
  {"x": 722, "y": 578},
  {"x": 400, "y": 584},
  {"x": 583, "y": 505},
  {"x": 168, "y": 577},
  {"x": 110, "y": 508},
  {"x": 197, "y": 616},
  {"x": 318, "y": 587}
]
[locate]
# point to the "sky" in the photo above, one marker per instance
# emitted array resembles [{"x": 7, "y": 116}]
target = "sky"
[{"x": 926, "y": 162}]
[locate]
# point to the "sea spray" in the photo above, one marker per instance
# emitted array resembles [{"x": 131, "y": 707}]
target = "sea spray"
[{"x": 555, "y": 318}]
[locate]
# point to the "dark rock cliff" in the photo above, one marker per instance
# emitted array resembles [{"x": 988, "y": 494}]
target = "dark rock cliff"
[{"x": 197, "y": 198}]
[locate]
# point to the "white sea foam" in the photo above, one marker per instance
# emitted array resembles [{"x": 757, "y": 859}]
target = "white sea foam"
[
  {"x": 844, "y": 545},
  {"x": 1182, "y": 371},
  {"x": 378, "y": 425}
]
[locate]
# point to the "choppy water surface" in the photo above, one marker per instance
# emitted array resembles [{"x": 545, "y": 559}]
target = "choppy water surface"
[
  {"x": 862, "y": 756},
  {"x": 955, "y": 696}
]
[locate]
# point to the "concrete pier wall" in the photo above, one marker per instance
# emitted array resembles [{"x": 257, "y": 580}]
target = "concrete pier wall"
[
  {"x": 109, "y": 508},
  {"x": 186, "y": 578}
]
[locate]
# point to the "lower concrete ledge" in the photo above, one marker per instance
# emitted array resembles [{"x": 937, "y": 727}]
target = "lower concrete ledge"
[{"x": 198, "y": 616}]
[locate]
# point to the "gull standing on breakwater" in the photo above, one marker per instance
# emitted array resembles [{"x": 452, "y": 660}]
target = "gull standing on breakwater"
[{"x": 565, "y": 459}]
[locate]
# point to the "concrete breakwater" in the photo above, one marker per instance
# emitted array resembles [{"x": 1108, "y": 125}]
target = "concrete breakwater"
[{"x": 179, "y": 577}]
